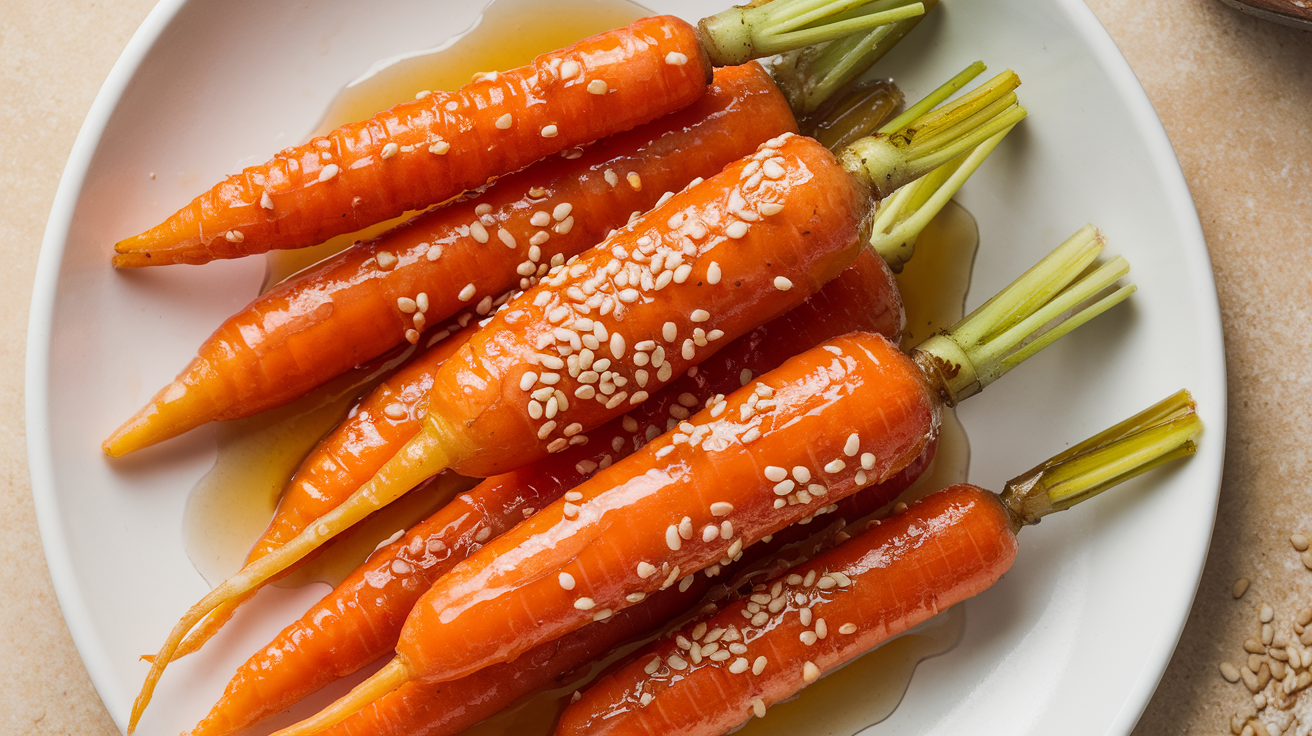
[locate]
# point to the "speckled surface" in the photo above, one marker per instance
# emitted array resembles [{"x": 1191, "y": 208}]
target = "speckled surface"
[{"x": 1235, "y": 94}]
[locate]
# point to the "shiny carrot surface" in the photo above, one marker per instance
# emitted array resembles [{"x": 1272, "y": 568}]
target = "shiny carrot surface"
[
  {"x": 824, "y": 424},
  {"x": 601, "y": 333},
  {"x": 405, "y": 284},
  {"x": 944, "y": 549},
  {"x": 447, "y": 708},
  {"x": 370, "y": 607},
  {"x": 426, "y": 151}
]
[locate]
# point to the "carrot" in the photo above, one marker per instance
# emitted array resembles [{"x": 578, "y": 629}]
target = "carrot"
[
  {"x": 815, "y": 430},
  {"x": 379, "y": 294},
  {"x": 369, "y": 607},
  {"x": 761, "y": 236},
  {"x": 447, "y": 708},
  {"x": 945, "y": 548},
  {"x": 429, "y": 150}
]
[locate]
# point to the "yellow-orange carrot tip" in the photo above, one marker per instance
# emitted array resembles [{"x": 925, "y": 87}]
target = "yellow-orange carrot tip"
[
  {"x": 427, "y": 454},
  {"x": 393, "y": 675}
]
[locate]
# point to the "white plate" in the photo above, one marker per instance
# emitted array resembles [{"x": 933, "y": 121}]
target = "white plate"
[{"x": 1073, "y": 640}]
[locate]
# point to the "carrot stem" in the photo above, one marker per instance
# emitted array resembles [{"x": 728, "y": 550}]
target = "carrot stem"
[
  {"x": 1159, "y": 434},
  {"x": 740, "y": 34},
  {"x": 901, "y": 217},
  {"x": 1033, "y": 311},
  {"x": 935, "y": 98},
  {"x": 899, "y": 156}
]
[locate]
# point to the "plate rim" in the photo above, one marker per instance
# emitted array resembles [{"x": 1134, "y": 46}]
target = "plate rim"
[{"x": 1160, "y": 154}]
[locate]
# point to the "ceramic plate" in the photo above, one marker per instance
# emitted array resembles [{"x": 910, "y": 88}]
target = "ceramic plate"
[{"x": 1074, "y": 638}]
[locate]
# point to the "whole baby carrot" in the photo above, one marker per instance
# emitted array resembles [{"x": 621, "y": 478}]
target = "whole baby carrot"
[
  {"x": 362, "y": 618},
  {"x": 447, "y": 708},
  {"x": 409, "y": 281},
  {"x": 761, "y": 236},
  {"x": 429, "y": 150},
  {"x": 815, "y": 430},
  {"x": 945, "y": 548}
]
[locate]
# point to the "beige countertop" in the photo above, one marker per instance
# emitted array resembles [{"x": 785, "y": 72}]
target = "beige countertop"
[{"x": 1235, "y": 94}]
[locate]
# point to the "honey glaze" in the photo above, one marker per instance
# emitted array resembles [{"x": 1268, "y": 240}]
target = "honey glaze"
[{"x": 507, "y": 34}]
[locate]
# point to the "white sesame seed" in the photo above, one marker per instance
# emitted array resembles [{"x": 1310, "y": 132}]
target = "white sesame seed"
[
  {"x": 710, "y": 533},
  {"x": 810, "y": 673},
  {"x": 760, "y": 618},
  {"x": 783, "y": 488},
  {"x": 406, "y": 304},
  {"x": 842, "y": 580},
  {"x": 847, "y": 629},
  {"x": 394, "y": 411},
  {"x": 736, "y": 229},
  {"x": 562, "y": 211},
  {"x": 638, "y": 397},
  {"x": 598, "y": 87},
  {"x": 675, "y": 58},
  {"x": 689, "y": 350},
  {"x": 484, "y": 305},
  {"x": 635, "y": 181},
  {"x": 774, "y": 473},
  {"x": 234, "y": 236},
  {"x": 676, "y": 662},
  {"x": 617, "y": 345},
  {"x": 545, "y": 430},
  {"x": 807, "y": 637},
  {"x": 389, "y": 150},
  {"x": 635, "y": 597},
  {"x": 782, "y": 283},
  {"x": 646, "y": 570},
  {"x": 772, "y": 169},
  {"x": 735, "y": 548},
  {"x": 585, "y": 604},
  {"x": 653, "y": 665},
  {"x": 328, "y": 172},
  {"x": 835, "y": 466},
  {"x": 853, "y": 445},
  {"x": 826, "y": 582},
  {"x": 439, "y": 148},
  {"x": 726, "y": 529},
  {"x": 506, "y": 237},
  {"x": 566, "y": 581},
  {"x": 672, "y": 539},
  {"x": 549, "y": 131},
  {"x": 700, "y": 315},
  {"x": 758, "y": 705},
  {"x": 770, "y": 208},
  {"x": 504, "y": 121},
  {"x": 478, "y": 232}
]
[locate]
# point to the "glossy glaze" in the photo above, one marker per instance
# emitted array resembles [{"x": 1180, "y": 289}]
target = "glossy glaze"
[
  {"x": 506, "y": 598},
  {"x": 483, "y": 398},
  {"x": 345, "y": 180},
  {"x": 350, "y": 308},
  {"x": 946, "y": 548}
]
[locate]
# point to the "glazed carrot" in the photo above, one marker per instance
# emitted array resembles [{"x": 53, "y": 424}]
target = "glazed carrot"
[
  {"x": 362, "y": 618},
  {"x": 376, "y": 295},
  {"x": 826, "y": 423},
  {"x": 732, "y": 252},
  {"x": 429, "y": 150},
  {"x": 447, "y": 708},
  {"x": 944, "y": 549}
]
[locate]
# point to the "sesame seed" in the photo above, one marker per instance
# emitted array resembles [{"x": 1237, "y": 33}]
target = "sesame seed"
[
  {"x": 504, "y": 121},
  {"x": 389, "y": 150},
  {"x": 835, "y": 466},
  {"x": 617, "y": 345},
  {"x": 675, "y": 58},
  {"x": 439, "y": 148},
  {"x": 506, "y": 237},
  {"x": 726, "y": 529},
  {"x": 783, "y": 488},
  {"x": 842, "y": 580},
  {"x": 549, "y": 131},
  {"x": 234, "y": 236},
  {"x": 672, "y": 539},
  {"x": 774, "y": 473},
  {"x": 772, "y": 169},
  {"x": 635, "y": 181},
  {"x": 635, "y": 597},
  {"x": 562, "y": 211},
  {"x": 406, "y": 304},
  {"x": 700, "y": 315},
  {"x": 638, "y": 397},
  {"x": 759, "y": 618},
  {"x": 689, "y": 350},
  {"x": 736, "y": 229},
  {"x": 328, "y": 172},
  {"x": 770, "y": 208},
  {"x": 803, "y": 615},
  {"x": 545, "y": 430},
  {"x": 847, "y": 629},
  {"x": 735, "y": 548},
  {"x": 807, "y": 637},
  {"x": 566, "y": 581},
  {"x": 585, "y": 604},
  {"x": 478, "y": 232},
  {"x": 801, "y": 474},
  {"x": 394, "y": 411},
  {"x": 826, "y": 582},
  {"x": 646, "y": 570},
  {"x": 598, "y": 87},
  {"x": 758, "y": 705},
  {"x": 782, "y": 283},
  {"x": 484, "y": 305},
  {"x": 810, "y": 673},
  {"x": 676, "y": 662}
]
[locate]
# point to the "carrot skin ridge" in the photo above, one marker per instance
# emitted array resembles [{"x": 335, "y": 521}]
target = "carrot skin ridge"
[
  {"x": 347, "y": 309},
  {"x": 864, "y": 297},
  {"x": 481, "y": 613},
  {"x": 446, "y": 143},
  {"x": 945, "y": 548},
  {"x": 447, "y": 708}
]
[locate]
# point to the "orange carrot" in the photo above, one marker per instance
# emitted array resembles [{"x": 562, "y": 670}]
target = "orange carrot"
[
  {"x": 761, "y": 236},
  {"x": 379, "y": 294},
  {"x": 815, "y": 430},
  {"x": 369, "y": 607},
  {"x": 429, "y": 150},
  {"x": 447, "y": 708},
  {"x": 944, "y": 549}
]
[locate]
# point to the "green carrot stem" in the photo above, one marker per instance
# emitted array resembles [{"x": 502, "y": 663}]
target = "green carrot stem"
[
  {"x": 740, "y": 34},
  {"x": 901, "y": 217},
  {"x": 935, "y": 98},
  {"x": 1157, "y": 435},
  {"x": 810, "y": 77},
  {"x": 900, "y": 155},
  {"x": 1031, "y": 313}
]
